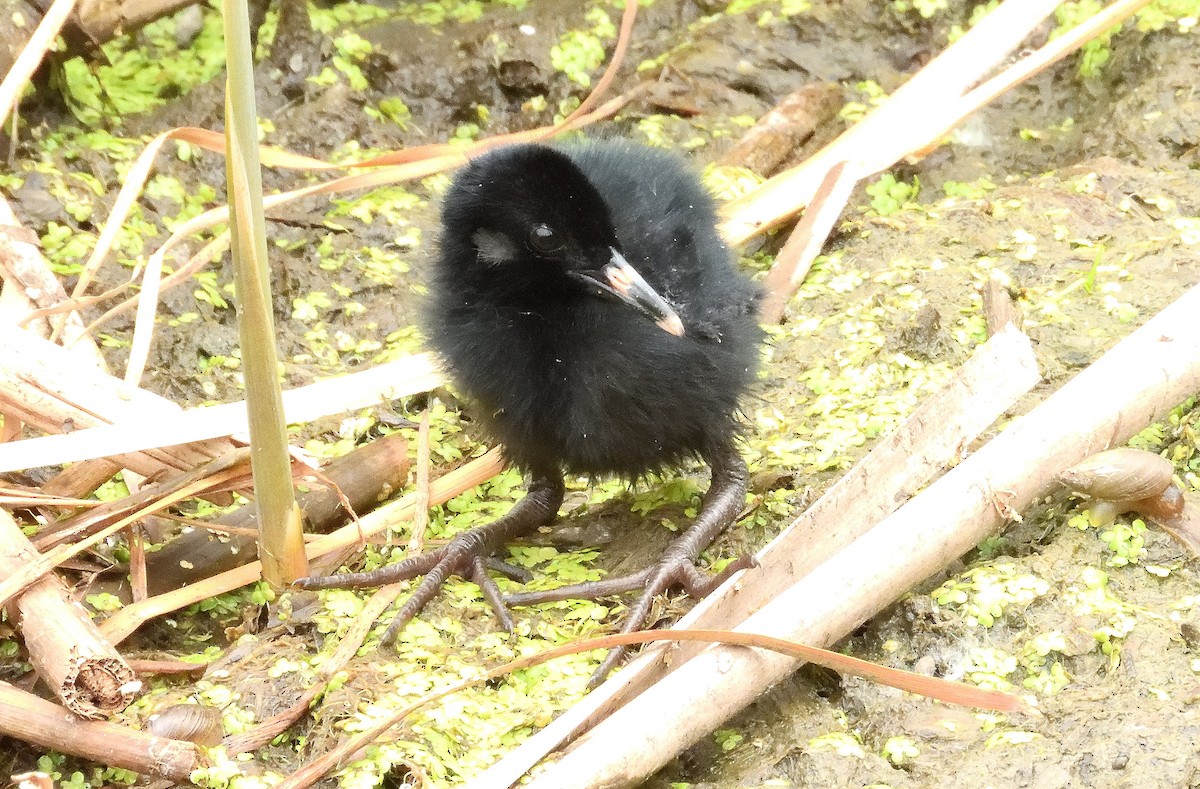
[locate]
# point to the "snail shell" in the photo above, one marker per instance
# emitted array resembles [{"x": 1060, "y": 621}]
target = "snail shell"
[
  {"x": 1120, "y": 475},
  {"x": 191, "y": 722}
]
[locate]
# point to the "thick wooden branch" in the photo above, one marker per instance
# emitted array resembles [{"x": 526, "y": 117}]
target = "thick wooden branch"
[
  {"x": 78, "y": 664},
  {"x": 365, "y": 476},
  {"x": 28, "y": 718},
  {"x": 777, "y": 135}
]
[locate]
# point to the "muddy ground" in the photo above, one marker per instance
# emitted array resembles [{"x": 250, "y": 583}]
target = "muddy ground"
[{"x": 1082, "y": 191}]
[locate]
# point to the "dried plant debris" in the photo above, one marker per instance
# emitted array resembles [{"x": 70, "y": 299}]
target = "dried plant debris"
[{"x": 1079, "y": 199}]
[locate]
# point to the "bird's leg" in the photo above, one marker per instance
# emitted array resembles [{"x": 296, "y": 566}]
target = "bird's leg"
[
  {"x": 467, "y": 555},
  {"x": 724, "y": 500}
]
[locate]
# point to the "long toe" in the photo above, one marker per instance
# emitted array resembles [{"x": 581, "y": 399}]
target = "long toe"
[
  {"x": 468, "y": 555},
  {"x": 672, "y": 571},
  {"x": 722, "y": 503},
  {"x": 401, "y": 571},
  {"x": 588, "y": 590},
  {"x": 464, "y": 556}
]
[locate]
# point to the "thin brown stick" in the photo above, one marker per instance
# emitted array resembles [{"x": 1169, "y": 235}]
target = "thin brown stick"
[
  {"x": 624, "y": 34},
  {"x": 998, "y": 307},
  {"x": 177, "y": 277},
  {"x": 151, "y": 668},
  {"x": 196, "y": 481},
  {"x": 27, "y": 573},
  {"x": 137, "y": 562},
  {"x": 34, "y": 500},
  {"x": 930, "y": 687}
]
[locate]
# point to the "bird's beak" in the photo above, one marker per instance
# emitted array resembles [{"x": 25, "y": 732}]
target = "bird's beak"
[{"x": 623, "y": 281}]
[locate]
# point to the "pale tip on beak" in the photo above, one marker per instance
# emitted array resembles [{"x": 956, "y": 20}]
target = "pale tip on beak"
[{"x": 671, "y": 325}]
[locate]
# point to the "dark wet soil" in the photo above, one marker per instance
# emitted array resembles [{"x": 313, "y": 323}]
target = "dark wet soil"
[{"x": 1092, "y": 219}]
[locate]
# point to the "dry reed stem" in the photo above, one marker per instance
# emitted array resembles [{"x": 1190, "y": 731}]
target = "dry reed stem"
[
  {"x": 30, "y": 283},
  {"x": 804, "y": 244},
  {"x": 924, "y": 110},
  {"x": 168, "y": 426},
  {"x": 27, "y": 573},
  {"x": 43, "y": 385},
  {"x": 416, "y": 543},
  {"x": 104, "y": 513}
]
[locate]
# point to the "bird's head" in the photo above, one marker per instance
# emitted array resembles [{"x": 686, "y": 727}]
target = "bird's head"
[{"x": 528, "y": 213}]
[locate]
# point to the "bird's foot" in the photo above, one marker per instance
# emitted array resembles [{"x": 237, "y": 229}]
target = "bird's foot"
[
  {"x": 676, "y": 568},
  {"x": 722, "y": 503},
  {"x": 467, "y": 555}
]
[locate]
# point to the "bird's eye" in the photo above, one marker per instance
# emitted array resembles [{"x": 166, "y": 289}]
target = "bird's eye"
[{"x": 542, "y": 238}]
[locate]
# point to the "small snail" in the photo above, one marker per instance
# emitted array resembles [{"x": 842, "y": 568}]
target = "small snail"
[
  {"x": 33, "y": 780},
  {"x": 192, "y": 722},
  {"x": 1134, "y": 480}
]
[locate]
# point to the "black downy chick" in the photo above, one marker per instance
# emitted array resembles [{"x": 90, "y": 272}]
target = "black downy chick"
[{"x": 584, "y": 302}]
